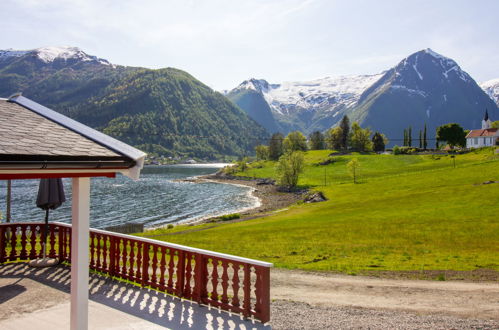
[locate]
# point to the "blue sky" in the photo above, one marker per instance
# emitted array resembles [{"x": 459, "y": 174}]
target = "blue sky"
[{"x": 223, "y": 42}]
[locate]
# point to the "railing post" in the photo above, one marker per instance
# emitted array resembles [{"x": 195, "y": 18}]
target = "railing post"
[
  {"x": 145, "y": 264},
  {"x": 180, "y": 273},
  {"x": 263, "y": 301}
]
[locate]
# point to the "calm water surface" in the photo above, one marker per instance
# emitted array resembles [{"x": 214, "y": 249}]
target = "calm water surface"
[{"x": 154, "y": 200}]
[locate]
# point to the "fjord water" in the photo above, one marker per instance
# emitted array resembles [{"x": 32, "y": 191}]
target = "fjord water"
[{"x": 158, "y": 198}]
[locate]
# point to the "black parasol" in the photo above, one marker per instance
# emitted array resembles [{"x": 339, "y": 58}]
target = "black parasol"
[{"x": 50, "y": 197}]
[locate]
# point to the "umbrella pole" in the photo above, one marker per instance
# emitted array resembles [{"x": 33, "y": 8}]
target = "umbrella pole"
[{"x": 45, "y": 234}]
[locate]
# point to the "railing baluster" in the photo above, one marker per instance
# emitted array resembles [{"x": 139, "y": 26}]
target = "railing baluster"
[
  {"x": 154, "y": 265},
  {"x": 247, "y": 291},
  {"x": 131, "y": 271},
  {"x": 52, "y": 242},
  {"x": 105, "y": 250},
  {"x": 214, "y": 280},
  {"x": 113, "y": 264},
  {"x": 171, "y": 266},
  {"x": 225, "y": 283},
  {"x": 97, "y": 251},
  {"x": 3, "y": 239},
  {"x": 92, "y": 249},
  {"x": 145, "y": 264},
  {"x": 13, "y": 243},
  {"x": 179, "y": 286},
  {"x": 23, "y": 253},
  {"x": 124, "y": 259},
  {"x": 162, "y": 269},
  {"x": 235, "y": 285},
  {"x": 188, "y": 274}
]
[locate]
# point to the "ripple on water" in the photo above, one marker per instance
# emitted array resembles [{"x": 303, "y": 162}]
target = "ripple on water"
[{"x": 156, "y": 199}]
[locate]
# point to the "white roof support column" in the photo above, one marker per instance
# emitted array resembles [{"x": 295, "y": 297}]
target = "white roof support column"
[{"x": 79, "y": 253}]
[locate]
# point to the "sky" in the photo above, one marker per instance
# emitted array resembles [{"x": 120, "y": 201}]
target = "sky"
[{"x": 223, "y": 42}]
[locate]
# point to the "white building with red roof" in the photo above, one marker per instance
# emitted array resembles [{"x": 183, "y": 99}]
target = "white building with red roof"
[{"x": 484, "y": 137}]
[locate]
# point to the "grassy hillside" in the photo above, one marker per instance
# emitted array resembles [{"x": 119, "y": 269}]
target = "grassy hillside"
[{"x": 408, "y": 213}]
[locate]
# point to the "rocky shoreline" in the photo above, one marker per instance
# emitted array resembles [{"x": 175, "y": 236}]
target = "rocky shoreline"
[{"x": 270, "y": 196}]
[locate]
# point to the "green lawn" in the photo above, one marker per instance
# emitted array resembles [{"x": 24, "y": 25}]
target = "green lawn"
[{"x": 408, "y": 213}]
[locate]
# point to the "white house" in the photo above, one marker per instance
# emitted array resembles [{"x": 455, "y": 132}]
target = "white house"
[{"x": 484, "y": 137}]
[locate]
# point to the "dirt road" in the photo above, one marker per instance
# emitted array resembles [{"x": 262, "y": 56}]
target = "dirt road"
[{"x": 463, "y": 299}]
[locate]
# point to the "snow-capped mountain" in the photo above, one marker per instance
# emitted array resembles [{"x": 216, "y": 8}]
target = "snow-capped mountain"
[
  {"x": 425, "y": 87},
  {"x": 491, "y": 87},
  {"x": 328, "y": 93},
  {"x": 53, "y": 54}
]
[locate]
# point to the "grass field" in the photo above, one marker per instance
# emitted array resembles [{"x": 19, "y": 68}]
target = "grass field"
[{"x": 408, "y": 213}]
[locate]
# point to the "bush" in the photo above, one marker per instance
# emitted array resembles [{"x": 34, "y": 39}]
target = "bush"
[
  {"x": 170, "y": 226},
  {"x": 396, "y": 150},
  {"x": 228, "y": 217}
]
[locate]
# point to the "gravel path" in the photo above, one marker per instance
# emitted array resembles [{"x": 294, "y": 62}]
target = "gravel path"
[{"x": 295, "y": 315}]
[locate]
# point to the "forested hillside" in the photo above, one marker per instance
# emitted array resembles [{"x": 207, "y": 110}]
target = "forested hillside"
[{"x": 165, "y": 111}]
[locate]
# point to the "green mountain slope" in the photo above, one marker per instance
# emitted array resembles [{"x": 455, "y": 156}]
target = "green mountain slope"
[{"x": 165, "y": 111}]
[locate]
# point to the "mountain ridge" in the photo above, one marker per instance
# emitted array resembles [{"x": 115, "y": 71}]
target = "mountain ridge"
[
  {"x": 163, "y": 111},
  {"x": 422, "y": 88}
]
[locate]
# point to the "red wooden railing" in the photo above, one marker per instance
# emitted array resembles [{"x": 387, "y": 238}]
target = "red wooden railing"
[{"x": 231, "y": 283}]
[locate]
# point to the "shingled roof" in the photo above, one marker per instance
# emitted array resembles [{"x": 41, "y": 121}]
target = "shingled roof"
[
  {"x": 482, "y": 132},
  {"x": 34, "y": 136}
]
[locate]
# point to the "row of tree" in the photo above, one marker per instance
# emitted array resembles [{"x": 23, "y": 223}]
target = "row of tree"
[
  {"x": 423, "y": 141},
  {"x": 343, "y": 137}
]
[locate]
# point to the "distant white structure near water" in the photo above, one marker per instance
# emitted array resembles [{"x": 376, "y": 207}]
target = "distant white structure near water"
[{"x": 484, "y": 137}]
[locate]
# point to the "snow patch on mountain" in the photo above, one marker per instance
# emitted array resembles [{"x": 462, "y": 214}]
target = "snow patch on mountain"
[
  {"x": 448, "y": 65},
  {"x": 52, "y": 53},
  {"x": 329, "y": 92},
  {"x": 411, "y": 91},
  {"x": 4, "y": 54},
  {"x": 491, "y": 87}
]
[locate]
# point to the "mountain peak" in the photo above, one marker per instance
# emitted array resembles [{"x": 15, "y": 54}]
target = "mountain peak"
[
  {"x": 259, "y": 85},
  {"x": 425, "y": 59},
  {"x": 50, "y": 54}
]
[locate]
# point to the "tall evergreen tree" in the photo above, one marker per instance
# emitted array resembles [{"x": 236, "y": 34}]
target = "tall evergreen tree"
[
  {"x": 275, "y": 146},
  {"x": 316, "y": 141},
  {"x": 409, "y": 136},
  {"x": 345, "y": 130},
  {"x": 420, "y": 139},
  {"x": 378, "y": 142},
  {"x": 425, "y": 142},
  {"x": 405, "y": 138}
]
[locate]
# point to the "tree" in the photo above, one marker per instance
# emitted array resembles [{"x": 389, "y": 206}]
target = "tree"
[
  {"x": 295, "y": 141},
  {"x": 420, "y": 139},
  {"x": 425, "y": 141},
  {"x": 316, "y": 141},
  {"x": 495, "y": 124},
  {"x": 409, "y": 136},
  {"x": 405, "y": 137},
  {"x": 378, "y": 142},
  {"x": 262, "y": 152},
  {"x": 289, "y": 168},
  {"x": 275, "y": 146},
  {"x": 452, "y": 133},
  {"x": 345, "y": 131},
  {"x": 353, "y": 167},
  {"x": 334, "y": 137},
  {"x": 360, "y": 138}
]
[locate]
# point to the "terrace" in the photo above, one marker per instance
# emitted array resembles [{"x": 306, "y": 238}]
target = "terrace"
[{"x": 166, "y": 284}]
